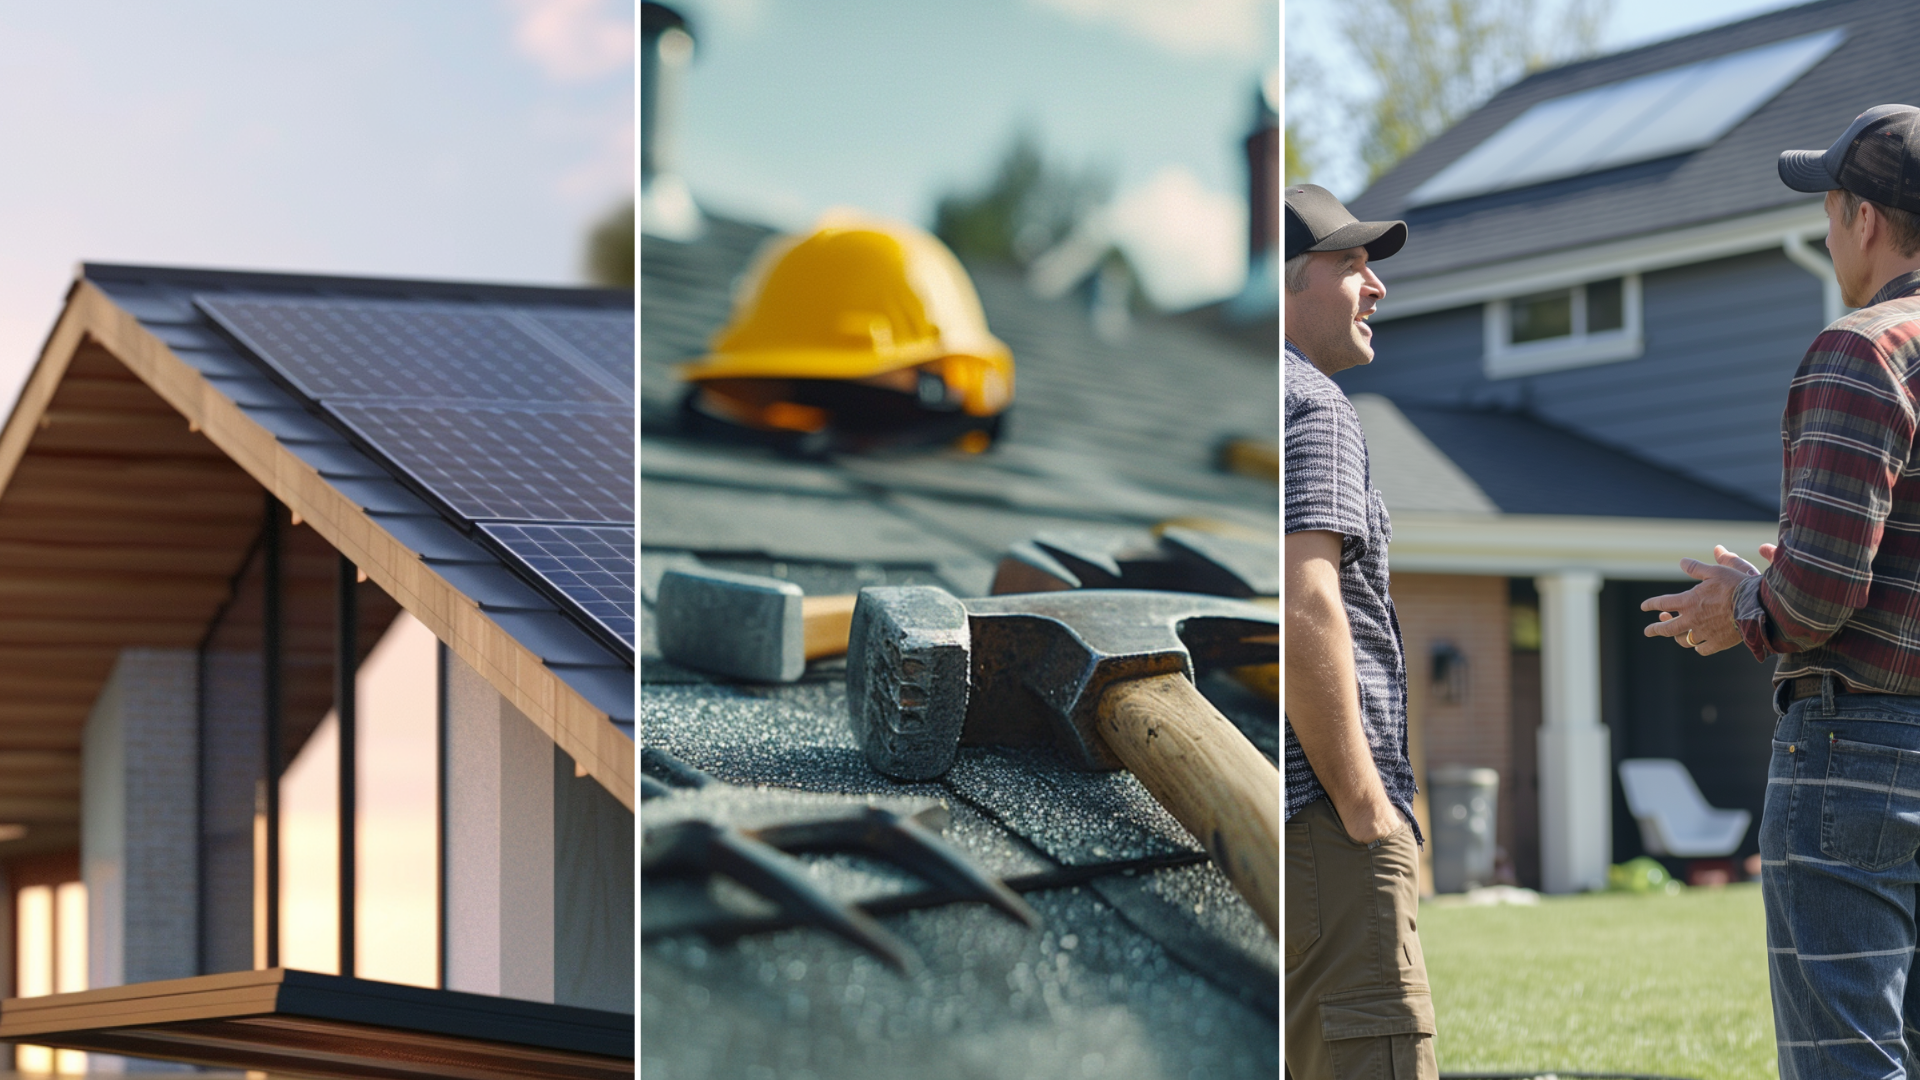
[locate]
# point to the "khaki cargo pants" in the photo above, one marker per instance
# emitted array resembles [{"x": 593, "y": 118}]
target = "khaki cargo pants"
[{"x": 1357, "y": 1001}]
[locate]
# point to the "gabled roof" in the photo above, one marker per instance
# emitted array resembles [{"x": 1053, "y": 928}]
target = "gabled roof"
[
  {"x": 1733, "y": 177},
  {"x": 133, "y": 463}
]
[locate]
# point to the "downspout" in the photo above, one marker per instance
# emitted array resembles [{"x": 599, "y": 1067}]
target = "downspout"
[{"x": 1797, "y": 249}]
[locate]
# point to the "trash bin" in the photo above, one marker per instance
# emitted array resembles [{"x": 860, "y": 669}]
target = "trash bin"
[{"x": 1464, "y": 801}]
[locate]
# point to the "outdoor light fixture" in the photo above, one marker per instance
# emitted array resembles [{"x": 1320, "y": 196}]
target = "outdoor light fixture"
[{"x": 1449, "y": 674}]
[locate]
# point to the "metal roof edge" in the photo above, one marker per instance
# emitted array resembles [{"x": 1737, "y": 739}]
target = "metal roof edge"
[
  {"x": 196, "y": 277},
  {"x": 1467, "y": 286},
  {"x": 584, "y": 731}
]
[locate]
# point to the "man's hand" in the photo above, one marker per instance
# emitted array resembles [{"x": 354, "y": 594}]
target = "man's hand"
[
  {"x": 1323, "y": 694},
  {"x": 1702, "y": 617}
]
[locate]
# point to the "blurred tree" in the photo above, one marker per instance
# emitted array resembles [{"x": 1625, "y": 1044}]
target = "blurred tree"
[
  {"x": 1027, "y": 208},
  {"x": 610, "y": 249},
  {"x": 1434, "y": 61},
  {"x": 1296, "y": 146}
]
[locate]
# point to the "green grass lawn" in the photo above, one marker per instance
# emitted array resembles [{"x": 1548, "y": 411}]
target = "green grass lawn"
[{"x": 1615, "y": 982}]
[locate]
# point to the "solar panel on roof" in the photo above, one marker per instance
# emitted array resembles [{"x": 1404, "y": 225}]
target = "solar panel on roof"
[
  {"x": 508, "y": 463},
  {"x": 1639, "y": 119},
  {"x": 604, "y": 337},
  {"x": 339, "y": 349},
  {"x": 592, "y": 566}
]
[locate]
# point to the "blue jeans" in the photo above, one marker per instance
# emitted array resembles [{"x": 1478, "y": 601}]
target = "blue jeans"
[{"x": 1838, "y": 841}]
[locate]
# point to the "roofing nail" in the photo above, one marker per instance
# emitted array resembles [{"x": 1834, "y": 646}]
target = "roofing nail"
[{"x": 909, "y": 845}]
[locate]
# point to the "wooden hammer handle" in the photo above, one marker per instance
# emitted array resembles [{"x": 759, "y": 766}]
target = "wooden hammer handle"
[
  {"x": 1208, "y": 776},
  {"x": 825, "y": 622}
]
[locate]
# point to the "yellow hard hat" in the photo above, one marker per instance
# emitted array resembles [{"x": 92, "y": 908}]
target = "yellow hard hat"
[{"x": 863, "y": 327}]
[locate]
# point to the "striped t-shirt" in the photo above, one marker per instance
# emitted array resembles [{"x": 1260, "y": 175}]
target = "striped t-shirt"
[
  {"x": 1329, "y": 488},
  {"x": 1843, "y": 593}
]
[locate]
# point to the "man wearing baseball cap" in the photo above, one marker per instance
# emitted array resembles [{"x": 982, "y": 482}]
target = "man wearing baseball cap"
[
  {"x": 1356, "y": 991},
  {"x": 1840, "y": 606}
]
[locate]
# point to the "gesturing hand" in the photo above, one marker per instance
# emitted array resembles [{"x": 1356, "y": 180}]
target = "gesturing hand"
[{"x": 1702, "y": 617}]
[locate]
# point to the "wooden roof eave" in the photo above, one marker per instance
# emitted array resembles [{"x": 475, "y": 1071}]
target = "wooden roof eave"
[{"x": 575, "y": 726}]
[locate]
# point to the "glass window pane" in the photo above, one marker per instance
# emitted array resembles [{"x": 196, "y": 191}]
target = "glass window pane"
[
  {"x": 1606, "y": 306},
  {"x": 398, "y": 825},
  {"x": 1541, "y": 316},
  {"x": 310, "y": 853}
]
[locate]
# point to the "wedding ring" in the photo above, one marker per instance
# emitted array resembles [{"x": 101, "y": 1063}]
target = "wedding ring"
[{"x": 1691, "y": 644}]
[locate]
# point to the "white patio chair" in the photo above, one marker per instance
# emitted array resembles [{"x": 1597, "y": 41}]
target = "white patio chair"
[{"x": 1674, "y": 817}]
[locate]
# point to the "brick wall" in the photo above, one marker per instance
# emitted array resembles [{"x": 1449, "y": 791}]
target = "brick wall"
[{"x": 1471, "y": 724}]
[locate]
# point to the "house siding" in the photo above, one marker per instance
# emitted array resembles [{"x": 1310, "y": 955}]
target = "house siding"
[
  {"x": 1470, "y": 614},
  {"x": 1722, "y": 341}
]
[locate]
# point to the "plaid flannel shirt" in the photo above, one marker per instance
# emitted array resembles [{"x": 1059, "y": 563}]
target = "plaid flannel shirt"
[{"x": 1843, "y": 593}]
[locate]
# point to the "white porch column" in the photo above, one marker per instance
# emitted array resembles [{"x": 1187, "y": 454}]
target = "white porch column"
[{"x": 1576, "y": 794}]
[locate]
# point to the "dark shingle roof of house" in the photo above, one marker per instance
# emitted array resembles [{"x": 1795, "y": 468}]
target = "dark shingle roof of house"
[
  {"x": 1526, "y": 466},
  {"x": 1101, "y": 436},
  {"x": 1732, "y": 177},
  {"x": 457, "y": 513}
]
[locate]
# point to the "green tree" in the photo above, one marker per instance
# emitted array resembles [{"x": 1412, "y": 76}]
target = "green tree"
[
  {"x": 1027, "y": 207},
  {"x": 1434, "y": 61},
  {"x": 1296, "y": 143},
  {"x": 610, "y": 249}
]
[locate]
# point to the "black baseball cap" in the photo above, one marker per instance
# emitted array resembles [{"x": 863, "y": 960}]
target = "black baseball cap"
[
  {"x": 1876, "y": 158},
  {"x": 1316, "y": 221}
]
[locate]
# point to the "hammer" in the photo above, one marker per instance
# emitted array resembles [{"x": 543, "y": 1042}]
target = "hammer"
[
  {"x": 762, "y": 629},
  {"x": 756, "y": 628},
  {"x": 1102, "y": 676}
]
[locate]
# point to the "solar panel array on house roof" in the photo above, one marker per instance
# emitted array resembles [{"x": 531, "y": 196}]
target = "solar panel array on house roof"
[
  {"x": 517, "y": 420},
  {"x": 1639, "y": 119}
]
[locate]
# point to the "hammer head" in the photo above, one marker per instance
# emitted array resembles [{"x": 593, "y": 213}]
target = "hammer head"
[
  {"x": 927, "y": 673},
  {"x": 742, "y": 625}
]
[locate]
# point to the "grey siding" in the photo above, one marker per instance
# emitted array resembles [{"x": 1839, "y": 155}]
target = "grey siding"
[
  {"x": 1429, "y": 359},
  {"x": 1723, "y": 339}
]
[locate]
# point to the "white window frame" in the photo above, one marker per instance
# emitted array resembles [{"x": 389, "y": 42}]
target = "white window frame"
[{"x": 1503, "y": 359}]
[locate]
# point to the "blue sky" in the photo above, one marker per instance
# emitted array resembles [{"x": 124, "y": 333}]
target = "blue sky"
[
  {"x": 438, "y": 138},
  {"x": 1310, "y": 26},
  {"x": 793, "y": 107}
]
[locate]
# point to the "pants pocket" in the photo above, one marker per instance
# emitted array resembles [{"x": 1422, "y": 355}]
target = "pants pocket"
[
  {"x": 1384, "y": 1057},
  {"x": 1303, "y": 890},
  {"x": 1870, "y": 812},
  {"x": 1383, "y": 1033}
]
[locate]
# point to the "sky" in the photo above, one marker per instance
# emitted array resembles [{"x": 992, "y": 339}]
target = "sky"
[
  {"x": 1311, "y": 31},
  {"x": 793, "y": 107},
  {"x": 465, "y": 139}
]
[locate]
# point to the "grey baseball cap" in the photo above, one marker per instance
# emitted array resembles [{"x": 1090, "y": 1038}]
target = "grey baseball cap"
[
  {"x": 1876, "y": 158},
  {"x": 1316, "y": 221}
]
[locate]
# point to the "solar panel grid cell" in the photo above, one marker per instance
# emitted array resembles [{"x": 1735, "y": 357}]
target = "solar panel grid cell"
[
  {"x": 335, "y": 349},
  {"x": 513, "y": 464},
  {"x": 593, "y": 566},
  {"x": 604, "y": 338}
]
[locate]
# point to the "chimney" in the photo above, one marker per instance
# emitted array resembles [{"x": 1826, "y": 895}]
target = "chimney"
[
  {"x": 1263, "y": 171},
  {"x": 666, "y": 49}
]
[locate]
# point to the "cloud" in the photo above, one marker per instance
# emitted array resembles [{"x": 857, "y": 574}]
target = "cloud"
[
  {"x": 1237, "y": 28},
  {"x": 1187, "y": 242},
  {"x": 574, "y": 40}
]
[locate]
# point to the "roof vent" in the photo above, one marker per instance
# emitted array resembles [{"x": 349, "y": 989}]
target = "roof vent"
[{"x": 1653, "y": 116}]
